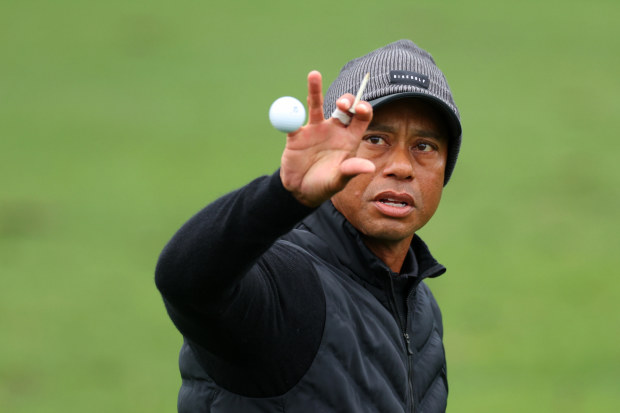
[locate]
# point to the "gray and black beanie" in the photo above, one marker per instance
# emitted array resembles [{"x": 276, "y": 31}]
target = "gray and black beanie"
[{"x": 400, "y": 70}]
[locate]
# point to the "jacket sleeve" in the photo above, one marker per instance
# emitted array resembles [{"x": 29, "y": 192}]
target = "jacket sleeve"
[{"x": 252, "y": 308}]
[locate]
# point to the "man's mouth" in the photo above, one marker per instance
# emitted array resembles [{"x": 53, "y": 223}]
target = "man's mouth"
[{"x": 394, "y": 204}]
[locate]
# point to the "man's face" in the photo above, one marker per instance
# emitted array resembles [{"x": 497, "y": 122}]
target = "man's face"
[{"x": 408, "y": 144}]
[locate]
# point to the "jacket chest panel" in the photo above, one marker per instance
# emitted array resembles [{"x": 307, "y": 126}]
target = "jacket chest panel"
[{"x": 361, "y": 365}]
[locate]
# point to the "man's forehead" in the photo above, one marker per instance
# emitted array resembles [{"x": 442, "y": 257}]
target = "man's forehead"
[{"x": 429, "y": 121}]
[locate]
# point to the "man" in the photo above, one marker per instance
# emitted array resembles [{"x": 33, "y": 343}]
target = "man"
[{"x": 303, "y": 291}]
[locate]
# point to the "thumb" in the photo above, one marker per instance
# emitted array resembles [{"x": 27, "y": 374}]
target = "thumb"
[{"x": 355, "y": 166}]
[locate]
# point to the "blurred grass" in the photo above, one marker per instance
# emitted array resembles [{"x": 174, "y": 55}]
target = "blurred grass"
[{"x": 119, "y": 120}]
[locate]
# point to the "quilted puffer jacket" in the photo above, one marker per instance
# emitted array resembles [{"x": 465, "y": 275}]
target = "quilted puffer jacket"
[{"x": 284, "y": 309}]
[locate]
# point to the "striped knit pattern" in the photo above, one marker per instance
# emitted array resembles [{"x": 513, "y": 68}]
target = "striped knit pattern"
[{"x": 401, "y": 55}]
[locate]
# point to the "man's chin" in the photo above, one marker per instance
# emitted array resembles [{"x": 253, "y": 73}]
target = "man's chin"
[{"x": 394, "y": 235}]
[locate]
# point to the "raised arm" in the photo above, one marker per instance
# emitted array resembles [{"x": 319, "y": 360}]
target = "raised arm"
[{"x": 219, "y": 245}]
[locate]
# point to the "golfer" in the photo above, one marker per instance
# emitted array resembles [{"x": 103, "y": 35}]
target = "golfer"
[{"x": 306, "y": 290}]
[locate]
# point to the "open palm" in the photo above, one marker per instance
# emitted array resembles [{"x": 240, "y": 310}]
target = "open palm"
[{"x": 319, "y": 158}]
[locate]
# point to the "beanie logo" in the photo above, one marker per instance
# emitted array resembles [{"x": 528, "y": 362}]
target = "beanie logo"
[{"x": 402, "y": 77}]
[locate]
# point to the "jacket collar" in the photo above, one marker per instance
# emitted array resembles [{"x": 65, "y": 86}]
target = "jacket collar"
[{"x": 346, "y": 246}]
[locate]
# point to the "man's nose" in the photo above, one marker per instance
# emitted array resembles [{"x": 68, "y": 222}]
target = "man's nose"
[{"x": 400, "y": 164}]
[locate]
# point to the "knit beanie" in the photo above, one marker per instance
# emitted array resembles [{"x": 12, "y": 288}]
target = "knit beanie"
[{"x": 397, "y": 71}]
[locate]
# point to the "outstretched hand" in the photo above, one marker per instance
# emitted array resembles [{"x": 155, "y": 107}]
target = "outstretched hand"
[{"x": 319, "y": 158}]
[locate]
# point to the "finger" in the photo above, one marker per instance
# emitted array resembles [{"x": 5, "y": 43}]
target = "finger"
[
  {"x": 345, "y": 101},
  {"x": 362, "y": 118},
  {"x": 315, "y": 98},
  {"x": 341, "y": 115}
]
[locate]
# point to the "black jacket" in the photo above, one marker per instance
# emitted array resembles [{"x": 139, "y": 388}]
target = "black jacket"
[{"x": 298, "y": 320}]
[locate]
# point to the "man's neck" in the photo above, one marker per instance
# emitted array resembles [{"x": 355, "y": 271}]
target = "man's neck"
[{"x": 392, "y": 254}]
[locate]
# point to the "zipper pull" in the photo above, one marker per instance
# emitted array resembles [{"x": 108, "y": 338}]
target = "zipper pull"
[{"x": 408, "y": 344}]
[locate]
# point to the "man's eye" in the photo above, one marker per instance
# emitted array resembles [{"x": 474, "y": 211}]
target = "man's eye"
[
  {"x": 424, "y": 147},
  {"x": 375, "y": 140}
]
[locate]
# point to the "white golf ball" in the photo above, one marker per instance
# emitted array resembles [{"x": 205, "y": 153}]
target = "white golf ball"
[{"x": 287, "y": 114}]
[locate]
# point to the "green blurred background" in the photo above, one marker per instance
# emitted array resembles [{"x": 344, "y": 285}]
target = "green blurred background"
[{"x": 120, "y": 119}]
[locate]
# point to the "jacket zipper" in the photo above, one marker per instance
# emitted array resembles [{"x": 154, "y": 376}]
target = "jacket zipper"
[{"x": 407, "y": 340}]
